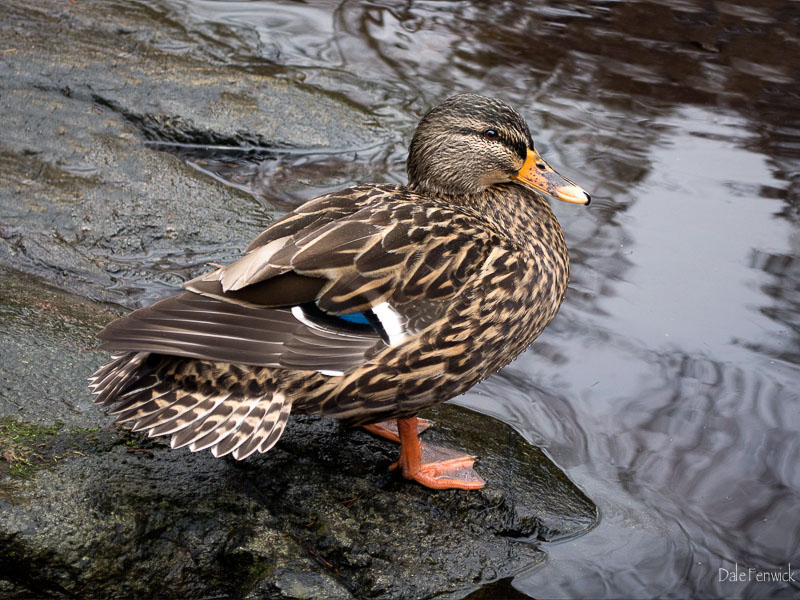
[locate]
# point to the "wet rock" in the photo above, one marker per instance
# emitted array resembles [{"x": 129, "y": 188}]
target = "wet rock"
[
  {"x": 48, "y": 340},
  {"x": 83, "y": 200},
  {"x": 90, "y": 213},
  {"x": 110, "y": 513}
]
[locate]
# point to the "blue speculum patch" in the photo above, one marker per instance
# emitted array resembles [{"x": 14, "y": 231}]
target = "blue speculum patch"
[{"x": 358, "y": 318}]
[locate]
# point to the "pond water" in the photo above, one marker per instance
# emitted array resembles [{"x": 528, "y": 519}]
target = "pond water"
[{"x": 668, "y": 388}]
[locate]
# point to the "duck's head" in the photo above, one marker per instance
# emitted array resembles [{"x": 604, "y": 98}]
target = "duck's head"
[{"x": 469, "y": 143}]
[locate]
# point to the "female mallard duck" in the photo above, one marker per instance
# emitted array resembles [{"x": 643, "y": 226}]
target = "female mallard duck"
[{"x": 368, "y": 304}]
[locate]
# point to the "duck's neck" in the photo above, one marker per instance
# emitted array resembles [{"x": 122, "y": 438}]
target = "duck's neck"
[{"x": 518, "y": 214}]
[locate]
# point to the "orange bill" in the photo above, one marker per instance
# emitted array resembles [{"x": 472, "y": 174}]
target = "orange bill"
[{"x": 537, "y": 174}]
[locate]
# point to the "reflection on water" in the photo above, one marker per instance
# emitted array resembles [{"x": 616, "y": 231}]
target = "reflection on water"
[{"x": 669, "y": 386}]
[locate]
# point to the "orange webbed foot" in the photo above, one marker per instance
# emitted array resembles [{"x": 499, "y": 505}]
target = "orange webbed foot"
[
  {"x": 433, "y": 466},
  {"x": 442, "y": 469}
]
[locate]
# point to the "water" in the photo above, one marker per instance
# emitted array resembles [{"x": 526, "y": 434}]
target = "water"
[{"x": 668, "y": 387}]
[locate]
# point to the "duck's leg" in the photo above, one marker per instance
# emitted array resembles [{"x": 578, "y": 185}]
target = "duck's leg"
[
  {"x": 388, "y": 429},
  {"x": 433, "y": 466}
]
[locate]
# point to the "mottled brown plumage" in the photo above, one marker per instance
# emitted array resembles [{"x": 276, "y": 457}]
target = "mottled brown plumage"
[{"x": 367, "y": 304}]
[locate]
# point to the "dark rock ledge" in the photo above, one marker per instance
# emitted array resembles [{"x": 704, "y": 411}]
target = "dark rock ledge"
[{"x": 88, "y": 212}]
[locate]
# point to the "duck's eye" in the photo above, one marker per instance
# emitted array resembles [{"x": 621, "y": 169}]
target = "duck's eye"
[{"x": 491, "y": 134}]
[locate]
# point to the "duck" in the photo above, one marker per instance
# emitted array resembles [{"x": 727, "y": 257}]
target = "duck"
[{"x": 368, "y": 304}]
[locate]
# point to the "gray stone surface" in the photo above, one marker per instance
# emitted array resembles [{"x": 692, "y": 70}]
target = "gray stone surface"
[
  {"x": 83, "y": 200},
  {"x": 106, "y": 513},
  {"x": 94, "y": 220},
  {"x": 48, "y": 341}
]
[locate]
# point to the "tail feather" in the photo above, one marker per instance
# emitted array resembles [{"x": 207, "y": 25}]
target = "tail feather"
[
  {"x": 140, "y": 405},
  {"x": 227, "y": 421},
  {"x": 128, "y": 401},
  {"x": 195, "y": 423},
  {"x": 245, "y": 430},
  {"x": 267, "y": 433},
  {"x": 275, "y": 433},
  {"x": 226, "y": 426},
  {"x": 99, "y": 377},
  {"x": 112, "y": 379},
  {"x": 173, "y": 406}
]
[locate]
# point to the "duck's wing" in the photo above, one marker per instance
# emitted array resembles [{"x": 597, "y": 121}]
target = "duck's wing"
[{"x": 325, "y": 288}]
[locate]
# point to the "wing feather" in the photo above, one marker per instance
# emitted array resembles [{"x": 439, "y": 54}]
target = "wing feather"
[
  {"x": 344, "y": 253},
  {"x": 196, "y": 326}
]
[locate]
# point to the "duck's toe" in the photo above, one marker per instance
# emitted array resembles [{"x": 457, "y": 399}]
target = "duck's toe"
[
  {"x": 441, "y": 469},
  {"x": 433, "y": 466}
]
